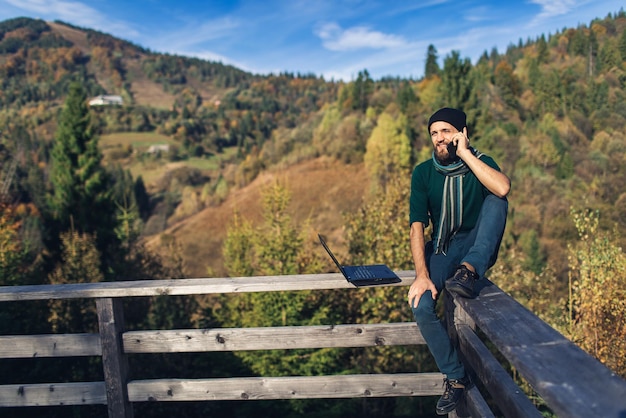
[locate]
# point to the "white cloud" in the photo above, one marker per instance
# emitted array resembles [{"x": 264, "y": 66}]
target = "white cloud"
[
  {"x": 73, "y": 12},
  {"x": 554, "y": 7},
  {"x": 359, "y": 37},
  {"x": 193, "y": 34},
  {"x": 551, "y": 8},
  {"x": 59, "y": 9}
]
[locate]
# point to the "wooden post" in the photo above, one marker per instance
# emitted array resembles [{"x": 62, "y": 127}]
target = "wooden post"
[{"x": 114, "y": 361}]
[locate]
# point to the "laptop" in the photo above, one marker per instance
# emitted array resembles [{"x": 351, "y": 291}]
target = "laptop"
[{"x": 359, "y": 276}]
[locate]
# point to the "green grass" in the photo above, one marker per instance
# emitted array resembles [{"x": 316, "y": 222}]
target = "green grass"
[
  {"x": 137, "y": 140},
  {"x": 152, "y": 169},
  {"x": 211, "y": 163}
]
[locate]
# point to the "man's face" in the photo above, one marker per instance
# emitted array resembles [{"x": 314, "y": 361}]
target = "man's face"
[{"x": 441, "y": 134}]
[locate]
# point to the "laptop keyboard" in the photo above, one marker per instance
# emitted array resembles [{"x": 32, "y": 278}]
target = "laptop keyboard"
[{"x": 363, "y": 273}]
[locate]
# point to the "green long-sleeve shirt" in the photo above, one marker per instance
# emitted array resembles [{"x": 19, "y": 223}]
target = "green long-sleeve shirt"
[{"x": 427, "y": 191}]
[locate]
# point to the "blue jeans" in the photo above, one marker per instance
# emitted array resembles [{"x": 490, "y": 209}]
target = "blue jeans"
[{"x": 478, "y": 247}]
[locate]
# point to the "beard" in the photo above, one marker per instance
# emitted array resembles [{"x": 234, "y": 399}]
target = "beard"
[{"x": 443, "y": 156}]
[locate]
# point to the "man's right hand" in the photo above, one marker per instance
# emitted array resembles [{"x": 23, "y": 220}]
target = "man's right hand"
[{"x": 420, "y": 285}]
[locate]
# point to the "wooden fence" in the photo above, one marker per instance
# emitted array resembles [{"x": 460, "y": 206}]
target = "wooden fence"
[{"x": 572, "y": 383}]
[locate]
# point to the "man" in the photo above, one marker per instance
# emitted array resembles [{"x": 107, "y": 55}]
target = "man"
[{"x": 463, "y": 193}]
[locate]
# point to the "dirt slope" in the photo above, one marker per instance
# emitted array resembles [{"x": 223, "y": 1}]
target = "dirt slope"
[
  {"x": 75, "y": 36},
  {"x": 322, "y": 190}
]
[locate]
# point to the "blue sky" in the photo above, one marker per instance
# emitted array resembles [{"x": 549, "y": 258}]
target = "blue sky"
[{"x": 331, "y": 38}]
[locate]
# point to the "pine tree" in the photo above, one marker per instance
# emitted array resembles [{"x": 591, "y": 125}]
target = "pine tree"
[
  {"x": 81, "y": 196},
  {"x": 431, "y": 67},
  {"x": 79, "y": 263},
  {"x": 406, "y": 97},
  {"x": 535, "y": 259},
  {"x": 609, "y": 56},
  {"x": 622, "y": 45},
  {"x": 455, "y": 85},
  {"x": 542, "y": 50},
  {"x": 507, "y": 83},
  {"x": 579, "y": 44},
  {"x": 362, "y": 89},
  {"x": 275, "y": 248}
]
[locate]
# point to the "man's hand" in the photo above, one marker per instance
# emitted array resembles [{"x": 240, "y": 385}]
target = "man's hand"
[
  {"x": 417, "y": 289},
  {"x": 461, "y": 141},
  {"x": 495, "y": 181}
]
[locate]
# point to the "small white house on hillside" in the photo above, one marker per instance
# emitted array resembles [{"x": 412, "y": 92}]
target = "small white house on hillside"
[
  {"x": 106, "y": 100},
  {"x": 158, "y": 148}
]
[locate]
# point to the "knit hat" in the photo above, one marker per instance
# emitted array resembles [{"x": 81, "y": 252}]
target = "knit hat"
[{"x": 454, "y": 117}]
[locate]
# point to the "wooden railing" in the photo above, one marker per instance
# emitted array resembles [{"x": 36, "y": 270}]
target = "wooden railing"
[{"x": 572, "y": 383}]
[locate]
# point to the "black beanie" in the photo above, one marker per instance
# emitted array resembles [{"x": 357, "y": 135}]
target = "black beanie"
[{"x": 454, "y": 117}]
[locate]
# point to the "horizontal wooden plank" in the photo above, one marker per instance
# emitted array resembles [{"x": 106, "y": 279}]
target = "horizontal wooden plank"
[
  {"x": 196, "y": 286},
  {"x": 270, "y": 338},
  {"x": 53, "y": 394},
  {"x": 249, "y": 388},
  {"x": 301, "y": 387},
  {"x": 573, "y": 383},
  {"x": 57, "y": 345}
]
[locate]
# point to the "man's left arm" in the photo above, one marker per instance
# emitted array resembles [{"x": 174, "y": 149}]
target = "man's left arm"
[{"x": 495, "y": 181}]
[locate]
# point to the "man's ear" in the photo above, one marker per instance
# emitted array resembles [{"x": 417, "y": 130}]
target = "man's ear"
[{"x": 465, "y": 131}]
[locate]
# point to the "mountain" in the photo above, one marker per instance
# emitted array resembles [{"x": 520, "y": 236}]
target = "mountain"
[
  {"x": 211, "y": 117},
  {"x": 205, "y": 137}
]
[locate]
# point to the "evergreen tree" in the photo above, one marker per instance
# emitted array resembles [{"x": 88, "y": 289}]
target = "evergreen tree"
[
  {"x": 275, "y": 248},
  {"x": 142, "y": 198},
  {"x": 535, "y": 259},
  {"x": 622, "y": 45},
  {"x": 548, "y": 92},
  {"x": 406, "y": 97},
  {"x": 592, "y": 52},
  {"x": 79, "y": 263},
  {"x": 81, "y": 197},
  {"x": 579, "y": 43},
  {"x": 431, "y": 67},
  {"x": 127, "y": 208},
  {"x": 507, "y": 83},
  {"x": 455, "y": 85},
  {"x": 362, "y": 89},
  {"x": 542, "y": 50},
  {"x": 609, "y": 56},
  {"x": 477, "y": 105}
]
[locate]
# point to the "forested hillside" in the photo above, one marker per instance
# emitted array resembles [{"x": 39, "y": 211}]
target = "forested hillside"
[{"x": 208, "y": 170}]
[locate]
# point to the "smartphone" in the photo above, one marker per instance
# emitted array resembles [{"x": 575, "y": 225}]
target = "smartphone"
[{"x": 451, "y": 150}]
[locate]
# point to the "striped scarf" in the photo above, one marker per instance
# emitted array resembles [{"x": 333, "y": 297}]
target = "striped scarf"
[{"x": 451, "y": 201}]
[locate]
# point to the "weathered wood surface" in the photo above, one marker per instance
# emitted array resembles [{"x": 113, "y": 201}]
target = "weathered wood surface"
[
  {"x": 114, "y": 361},
  {"x": 271, "y": 338},
  {"x": 474, "y": 405},
  {"x": 306, "y": 387},
  {"x": 511, "y": 400},
  {"x": 573, "y": 383},
  {"x": 539, "y": 353},
  {"x": 246, "y": 388},
  {"x": 53, "y": 394},
  {"x": 57, "y": 345},
  {"x": 186, "y": 286}
]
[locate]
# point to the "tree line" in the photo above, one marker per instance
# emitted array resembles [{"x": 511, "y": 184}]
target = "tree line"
[{"x": 550, "y": 111}]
